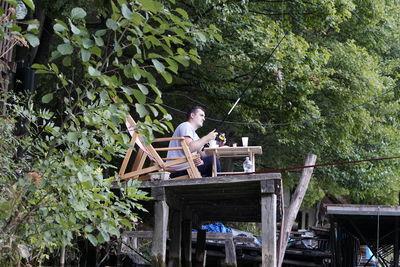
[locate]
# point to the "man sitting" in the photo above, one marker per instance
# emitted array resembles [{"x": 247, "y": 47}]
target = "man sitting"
[{"x": 187, "y": 129}]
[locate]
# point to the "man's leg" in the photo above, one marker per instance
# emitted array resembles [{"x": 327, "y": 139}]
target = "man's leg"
[
  {"x": 178, "y": 173},
  {"x": 206, "y": 168}
]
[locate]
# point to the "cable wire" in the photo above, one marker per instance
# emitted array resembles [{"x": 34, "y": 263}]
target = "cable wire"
[{"x": 289, "y": 123}]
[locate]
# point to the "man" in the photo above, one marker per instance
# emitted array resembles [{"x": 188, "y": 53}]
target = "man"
[{"x": 187, "y": 129}]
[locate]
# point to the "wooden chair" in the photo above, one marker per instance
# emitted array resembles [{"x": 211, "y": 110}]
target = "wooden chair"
[{"x": 145, "y": 151}]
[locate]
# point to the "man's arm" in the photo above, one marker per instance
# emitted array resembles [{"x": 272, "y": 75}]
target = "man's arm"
[{"x": 198, "y": 145}]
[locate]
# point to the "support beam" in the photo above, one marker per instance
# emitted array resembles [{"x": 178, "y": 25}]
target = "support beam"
[
  {"x": 396, "y": 244},
  {"x": 290, "y": 215},
  {"x": 187, "y": 243},
  {"x": 268, "y": 224},
  {"x": 230, "y": 253},
  {"x": 200, "y": 249},
  {"x": 175, "y": 255},
  {"x": 159, "y": 245}
]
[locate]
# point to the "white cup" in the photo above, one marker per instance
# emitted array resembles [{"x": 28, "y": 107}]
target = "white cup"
[
  {"x": 245, "y": 141},
  {"x": 213, "y": 143}
]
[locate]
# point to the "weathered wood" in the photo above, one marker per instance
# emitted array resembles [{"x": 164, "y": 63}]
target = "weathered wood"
[
  {"x": 268, "y": 230},
  {"x": 352, "y": 209},
  {"x": 294, "y": 206},
  {"x": 159, "y": 244},
  {"x": 267, "y": 187},
  {"x": 138, "y": 234},
  {"x": 175, "y": 255},
  {"x": 187, "y": 243},
  {"x": 200, "y": 249},
  {"x": 212, "y": 180},
  {"x": 230, "y": 253},
  {"x": 396, "y": 244},
  {"x": 128, "y": 156}
]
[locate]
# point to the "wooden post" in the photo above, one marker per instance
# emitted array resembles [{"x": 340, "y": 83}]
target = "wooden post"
[
  {"x": 62, "y": 260},
  {"x": 268, "y": 224},
  {"x": 290, "y": 215},
  {"x": 230, "y": 253},
  {"x": 396, "y": 243},
  {"x": 175, "y": 255},
  {"x": 214, "y": 164},
  {"x": 200, "y": 248},
  {"x": 187, "y": 243},
  {"x": 159, "y": 245}
]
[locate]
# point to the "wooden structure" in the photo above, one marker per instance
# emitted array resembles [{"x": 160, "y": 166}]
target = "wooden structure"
[
  {"x": 371, "y": 225},
  {"x": 180, "y": 205},
  {"x": 294, "y": 207},
  {"x": 232, "y": 152},
  {"x": 131, "y": 243},
  {"x": 7, "y": 66},
  {"x": 147, "y": 151}
]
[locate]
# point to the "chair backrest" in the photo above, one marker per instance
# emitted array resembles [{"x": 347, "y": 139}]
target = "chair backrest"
[{"x": 147, "y": 148}]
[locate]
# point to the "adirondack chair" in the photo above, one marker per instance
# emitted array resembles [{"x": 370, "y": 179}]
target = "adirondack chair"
[{"x": 145, "y": 151}]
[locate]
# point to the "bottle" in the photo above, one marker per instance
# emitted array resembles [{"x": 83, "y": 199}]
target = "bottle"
[
  {"x": 247, "y": 165},
  {"x": 220, "y": 138}
]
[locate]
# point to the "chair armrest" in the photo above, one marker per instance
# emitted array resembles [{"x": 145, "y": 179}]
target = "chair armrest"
[
  {"x": 193, "y": 157},
  {"x": 165, "y": 139}
]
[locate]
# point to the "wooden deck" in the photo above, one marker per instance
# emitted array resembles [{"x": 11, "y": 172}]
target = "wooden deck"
[{"x": 180, "y": 205}]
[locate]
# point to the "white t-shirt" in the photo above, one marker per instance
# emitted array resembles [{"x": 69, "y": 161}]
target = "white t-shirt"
[{"x": 184, "y": 129}]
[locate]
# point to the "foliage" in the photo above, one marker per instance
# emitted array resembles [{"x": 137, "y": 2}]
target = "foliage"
[
  {"x": 335, "y": 56},
  {"x": 69, "y": 144}
]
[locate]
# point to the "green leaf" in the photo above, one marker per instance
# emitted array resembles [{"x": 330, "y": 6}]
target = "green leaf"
[
  {"x": 30, "y": 4},
  {"x": 126, "y": 12},
  {"x": 32, "y": 39},
  {"x": 39, "y": 66},
  {"x": 111, "y": 24},
  {"x": 106, "y": 155},
  {"x": 172, "y": 65},
  {"x": 154, "y": 110},
  {"x": 59, "y": 28},
  {"x": 99, "y": 41},
  {"x": 104, "y": 235},
  {"x": 202, "y": 37},
  {"x": 85, "y": 55},
  {"x": 167, "y": 76},
  {"x": 93, "y": 72},
  {"x": 47, "y": 98},
  {"x": 78, "y": 13},
  {"x": 66, "y": 61},
  {"x": 92, "y": 239},
  {"x": 87, "y": 43},
  {"x": 140, "y": 97},
  {"x": 95, "y": 51},
  {"x": 12, "y": 2},
  {"x": 100, "y": 33},
  {"x": 182, "y": 12},
  {"x": 141, "y": 110},
  {"x": 182, "y": 59},
  {"x": 158, "y": 65},
  {"x": 74, "y": 29},
  {"x": 151, "y": 5},
  {"x": 72, "y": 136},
  {"x": 143, "y": 88},
  {"x": 33, "y": 25},
  {"x": 65, "y": 49}
]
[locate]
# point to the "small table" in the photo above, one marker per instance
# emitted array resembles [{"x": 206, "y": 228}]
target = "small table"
[{"x": 232, "y": 152}]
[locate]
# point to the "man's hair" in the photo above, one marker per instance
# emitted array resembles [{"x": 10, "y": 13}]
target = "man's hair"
[{"x": 193, "y": 109}]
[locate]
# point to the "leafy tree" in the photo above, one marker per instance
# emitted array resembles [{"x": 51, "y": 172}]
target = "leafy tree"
[
  {"x": 336, "y": 56},
  {"x": 59, "y": 171}
]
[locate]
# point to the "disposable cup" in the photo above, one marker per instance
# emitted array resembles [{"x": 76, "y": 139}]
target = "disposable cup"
[
  {"x": 245, "y": 141},
  {"x": 213, "y": 143}
]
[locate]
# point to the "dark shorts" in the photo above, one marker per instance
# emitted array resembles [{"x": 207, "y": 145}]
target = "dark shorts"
[{"x": 205, "y": 169}]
